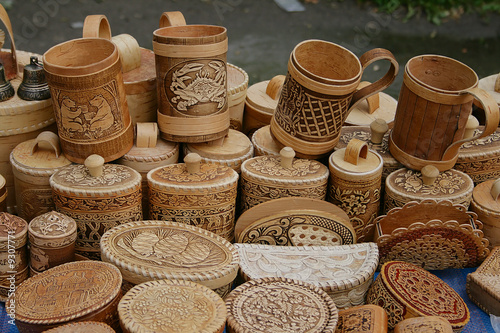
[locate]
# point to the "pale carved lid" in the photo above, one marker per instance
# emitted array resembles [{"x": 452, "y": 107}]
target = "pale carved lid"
[
  {"x": 480, "y": 149},
  {"x": 423, "y": 293},
  {"x": 264, "y": 142},
  {"x": 348, "y": 265},
  {"x": 67, "y": 292},
  {"x": 260, "y": 100},
  {"x": 425, "y": 324},
  {"x": 172, "y": 306},
  {"x": 451, "y": 185},
  {"x": 482, "y": 197},
  {"x": 12, "y": 226},
  {"x": 280, "y": 305},
  {"x": 82, "y": 327},
  {"x": 163, "y": 151},
  {"x": 52, "y": 225},
  {"x": 356, "y": 159},
  {"x": 237, "y": 84},
  {"x": 368, "y": 318},
  {"x": 151, "y": 250},
  {"x": 488, "y": 84}
]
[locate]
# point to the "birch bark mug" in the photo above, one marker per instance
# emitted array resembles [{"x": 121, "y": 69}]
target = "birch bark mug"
[
  {"x": 191, "y": 80},
  {"x": 434, "y": 104},
  {"x": 320, "y": 89},
  {"x": 88, "y": 95}
]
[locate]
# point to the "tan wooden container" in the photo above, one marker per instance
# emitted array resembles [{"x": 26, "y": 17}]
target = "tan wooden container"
[
  {"x": 3, "y": 194},
  {"x": 76, "y": 291},
  {"x": 486, "y": 205},
  {"x": 14, "y": 255},
  {"x": 355, "y": 184},
  {"x": 149, "y": 152},
  {"x": 265, "y": 178},
  {"x": 52, "y": 239},
  {"x": 264, "y": 143},
  {"x": 155, "y": 250},
  {"x": 378, "y": 106},
  {"x": 407, "y": 291},
  {"x": 237, "y": 85},
  {"x": 191, "y": 70},
  {"x": 33, "y": 162},
  {"x": 231, "y": 151},
  {"x": 82, "y": 327},
  {"x": 271, "y": 305},
  {"x": 483, "y": 285},
  {"x": 261, "y": 101},
  {"x": 432, "y": 235},
  {"x": 88, "y": 94},
  {"x": 172, "y": 306},
  {"x": 424, "y": 324},
  {"x": 404, "y": 185},
  {"x": 295, "y": 221},
  {"x": 200, "y": 194},
  {"x": 349, "y": 275},
  {"x": 367, "y": 318},
  {"x": 98, "y": 197}
]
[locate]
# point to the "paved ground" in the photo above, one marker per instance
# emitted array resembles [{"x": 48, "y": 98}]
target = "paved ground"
[{"x": 262, "y": 35}]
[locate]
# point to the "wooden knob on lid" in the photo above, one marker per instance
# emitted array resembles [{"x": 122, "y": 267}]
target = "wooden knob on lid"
[
  {"x": 429, "y": 174},
  {"x": 47, "y": 140},
  {"x": 193, "y": 162},
  {"x": 497, "y": 84},
  {"x": 495, "y": 189},
  {"x": 94, "y": 164},
  {"x": 471, "y": 125},
  {"x": 354, "y": 150},
  {"x": 287, "y": 154},
  {"x": 378, "y": 129},
  {"x": 274, "y": 86}
]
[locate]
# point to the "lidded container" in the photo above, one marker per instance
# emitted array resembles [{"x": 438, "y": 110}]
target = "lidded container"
[
  {"x": 196, "y": 193},
  {"x": 265, "y": 178},
  {"x": 486, "y": 205},
  {"x": 82, "y": 327},
  {"x": 264, "y": 143},
  {"x": 355, "y": 183},
  {"x": 237, "y": 84},
  {"x": 98, "y": 197},
  {"x": 33, "y": 162},
  {"x": 13, "y": 253},
  {"x": 52, "y": 239}
]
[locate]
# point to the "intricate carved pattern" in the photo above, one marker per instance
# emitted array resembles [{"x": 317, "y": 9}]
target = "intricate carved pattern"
[
  {"x": 480, "y": 170},
  {"x": 96, "y": 204},
  {"x": 390, "y": 201},
  {"x": 382, "y": 148},
  {"x": 434, "y": 325},
  {"x": 495, "y": 137},
  {"x": 78, "y": 175},
  {"x": 446, "y": 183},
  {"x": 177, "y": 173},
  {"x": 378, "y": 295},
  {"x": 177, "y": 200},
  {"x": 53, "y": 224},
  {"x": 359, "y": 321},
  {"x": 35, "y": 202},
  {"x": 14, "y": 225},
  {"x": 271, "y": 166}
]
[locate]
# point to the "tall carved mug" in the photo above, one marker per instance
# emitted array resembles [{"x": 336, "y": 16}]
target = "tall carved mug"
[
  {"x": 89, "y": 100},
  {"x": 191, "y": 80},
  {"x": 434, "y": 104},
  {"x": 320, "y": 90}
]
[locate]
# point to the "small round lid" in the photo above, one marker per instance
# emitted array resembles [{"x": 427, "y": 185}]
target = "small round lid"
[
  {"x": 82, "y": 327},
  {"x": 95, "y": 178},
  {"x": 356, "y": 158},
  {"x": 151, "y": 250},
  {"x": 280, "y": 305},
  {"x": 12, "y": 228},
  {"x": 486, "y": 194},
  {"x": 172, "y": 306},
  {"x": 52, "y": 225},
  {"x": 264, "y": 95},
  {"x": 480, "y": 149},
  {"x": 488, "y": 84},
  {"x": 162, "y": 151},
  {"x": 237, "y": 84},
  {"x": 378, "y": 106},
  {"x": 264, "y": 142},
  {"x": 67, "y": 292}
]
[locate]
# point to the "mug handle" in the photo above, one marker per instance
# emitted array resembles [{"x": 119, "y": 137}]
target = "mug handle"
[
  {"x": 492, "y": 117},
  {"x": 368, "y": 58},
  {"x": 172, "y": 19},
  {"x": 96, "y": 26}
]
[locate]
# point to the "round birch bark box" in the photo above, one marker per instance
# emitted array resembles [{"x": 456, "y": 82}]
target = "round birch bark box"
[
  {"x": 280, "y": 305},
  {"x": 82, "y": 327},
  {"x": 264, "y": 143},
  {"x": 154, "y": 250},
  {"x": 486, "y": 205},
  {"x": 173, "y": 306},
  {"x": 237, "y": 84}
]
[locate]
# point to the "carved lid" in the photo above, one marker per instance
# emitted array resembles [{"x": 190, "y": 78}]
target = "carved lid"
[
  {"x": 82, "y": 327},
  {"x": 484, "y": 198},
  {"x": 52, "y": 225},
  {"x": 164, "y": 150},
  {"x": 434, "y": 324},
  {"x": 263, "y": 96},
  {"x": 264, "y": 142},
  {"x": 423, "y": 293},
  {"x": 488, "y": 84},
  {"x": 12, "y": 226},
  {"x": 152, "y": 250},
  {"x": 368, "y": 318},
  {"x": 378, "y": 106},
  {"x": 348, "y": 265},
  {"x": 280, "y": 305},
  {"x": 67, "y": 292},
  {"x": 480, "y": 149},
  {"x": 172, "y": 306}
]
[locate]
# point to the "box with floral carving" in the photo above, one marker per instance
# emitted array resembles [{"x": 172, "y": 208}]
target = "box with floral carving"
[{"x": 367, "y": 318}]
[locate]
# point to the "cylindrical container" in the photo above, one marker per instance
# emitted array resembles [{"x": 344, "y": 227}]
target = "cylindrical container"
[
  {"x": 13, "y": 254},
  {"x": 200, "y": 194},
  {"x": 320, "y": 90},
  {"x": 149, "y": 152},
  {"x": 237, "y": 84},
  {"x": 191, "y": 70},
  {"x": 52, "y": 239},
  {"x": 172, "y": 306},
  {"x": 486, "y": 205},
  {"x": 264, "y": 143},
  {"x": 33, "y": 162},
  {"x": 355, "y": 181},
  {"x": 86, "y": 85},
  {"x": 77, "y": 291},
  {"x": 3, "y": 194},
  {"x": 231, "y": 151},
  {"x": 82, "y": 327},
  {"x": 434, "y": 104},
  {"x": 269, "y": 177},
  {"x": 98, "y": 197}
]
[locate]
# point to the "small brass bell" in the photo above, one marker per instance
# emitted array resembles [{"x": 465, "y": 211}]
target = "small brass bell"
[
  {"x": 6, "y": 89},
  {"x": 34, "y": 86}
]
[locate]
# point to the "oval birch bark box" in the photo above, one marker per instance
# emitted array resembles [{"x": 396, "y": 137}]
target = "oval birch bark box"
[
  {"x": 295, "y": 221},
  {"x": 265, "y": 178},
  {"x": 154, "y": 250},
  {"x": 280, "y": 305},
  {"x": 75, "y": 291},
  {"x": 434, "y": 324},
  {"x": 367, "y": 318},
  {"x": 173, "y": 306},
  {"x": 82, "y": 327},
  {"x": 349, "y": 275},
  {"x": 264, "y": 143},
  {"x": 486, "y": 205},
  {"x": 407, "y": 291}
]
